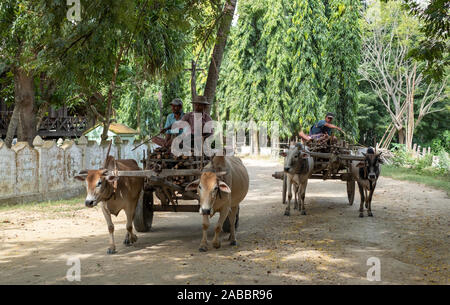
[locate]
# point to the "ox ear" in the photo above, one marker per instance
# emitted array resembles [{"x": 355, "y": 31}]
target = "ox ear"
[
  {"x": 283, "y": 154},
  {"x": 224, "y": 187},
  {"x": 361, "y": 164},
  {"x": 193, "y": 185},
  {"x": 82, "y": 175}
]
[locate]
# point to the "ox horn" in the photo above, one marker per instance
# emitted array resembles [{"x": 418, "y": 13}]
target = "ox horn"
[
  {"x": 82, "y": 175},
  {"x": 106, "y": 172},
  {"x": 222, "y": 173},
  {"x": 209, "y": 170},
  {"x": 83, "y": 172}
]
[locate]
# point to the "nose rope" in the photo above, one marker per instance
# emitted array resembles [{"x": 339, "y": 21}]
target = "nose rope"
[
  {"x": 217, "y": 193},
  {"x": 115, "y": 181}
]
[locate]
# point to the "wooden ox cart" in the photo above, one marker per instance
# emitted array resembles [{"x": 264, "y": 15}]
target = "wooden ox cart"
[
  {"x": 330, "y": 162},
  {"x": 166, "y": 177}
]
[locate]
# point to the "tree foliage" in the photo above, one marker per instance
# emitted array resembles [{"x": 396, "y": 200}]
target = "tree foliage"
[
  {"x": 434, "y": 46},
  {"x": 343, "y": 59}
]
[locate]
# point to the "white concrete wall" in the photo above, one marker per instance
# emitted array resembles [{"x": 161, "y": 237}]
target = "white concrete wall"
[{"x": 38, "y": 173}]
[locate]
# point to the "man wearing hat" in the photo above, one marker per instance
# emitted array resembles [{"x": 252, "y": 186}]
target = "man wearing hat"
[
  {"x": 200, "y": 104},
  {"x": 321, "y": 130},
  {"x": 176, "y": 115}
]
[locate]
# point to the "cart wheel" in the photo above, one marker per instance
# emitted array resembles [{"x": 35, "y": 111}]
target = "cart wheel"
[
  {"x": 284, "y": 188},
  {"x": 226, "y": 223},
  {"x": 143, "y": 216},
  {"x": 351, "y": 191}
]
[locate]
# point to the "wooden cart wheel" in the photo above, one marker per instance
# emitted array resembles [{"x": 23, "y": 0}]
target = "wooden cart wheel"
[
  {"x": 351, "y": 191},
  {"x": 226, "y": 223},
  {"x": 143, "y": 216},
  {"x": 284, "y": 188}
]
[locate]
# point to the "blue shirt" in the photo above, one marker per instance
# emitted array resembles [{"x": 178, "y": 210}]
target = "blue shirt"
[
  {"x": 170, "y": 120},
  {"x": 320, "y": 127}
]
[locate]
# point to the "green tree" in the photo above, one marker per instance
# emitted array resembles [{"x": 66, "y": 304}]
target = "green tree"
[
  {"x": 308, "y": 34},
  {"x": 25, "y": 35},
  {"x": 342, "y": 62},
  {"x": 389, "y": 34},
  {"x": 434, "y": 46}
]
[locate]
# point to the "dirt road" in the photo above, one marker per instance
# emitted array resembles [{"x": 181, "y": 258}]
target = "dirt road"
[{"x": 409, "y": 234}]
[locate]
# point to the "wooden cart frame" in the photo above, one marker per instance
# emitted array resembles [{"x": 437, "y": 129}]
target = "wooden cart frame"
[
  {"x": 334, "y": 165},
  {"x": 158, "y": 185}
]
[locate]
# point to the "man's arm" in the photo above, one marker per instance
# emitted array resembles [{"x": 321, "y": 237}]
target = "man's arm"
[
  {"x": 333, "y": 126},
  {"x": 167, "y": 126}
]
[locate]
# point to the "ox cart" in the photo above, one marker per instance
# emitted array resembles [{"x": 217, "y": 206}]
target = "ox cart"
[
  {"x": 331, "y": 161},
  {"x": 166, "y": 177}
]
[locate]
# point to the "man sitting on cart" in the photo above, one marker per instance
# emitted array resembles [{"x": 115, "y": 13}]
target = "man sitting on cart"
[
  {"x": 200, "y": 104},
  {"x": 176, "y": 115},
  {"x": 322, "y": 130}
]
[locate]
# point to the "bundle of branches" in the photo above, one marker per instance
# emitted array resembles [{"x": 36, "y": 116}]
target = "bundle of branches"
[{"x": 162, "y": 158}]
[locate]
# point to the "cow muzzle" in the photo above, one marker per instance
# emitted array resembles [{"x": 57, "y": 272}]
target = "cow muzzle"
[
  {"x": 90, "y": 203},
  {"x": 372, "y": 176},
  {"x": 206, "y": 211}
]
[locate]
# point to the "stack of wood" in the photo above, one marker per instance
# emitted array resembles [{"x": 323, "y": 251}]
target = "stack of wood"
[{"x": 161, "y": 158}]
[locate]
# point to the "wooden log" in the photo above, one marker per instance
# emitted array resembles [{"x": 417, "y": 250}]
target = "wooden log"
[
  {"x": 163, "y": 174},
  {"x": 340, "y": 156},
  {"x": 141, "y": 173},
  {"x": 176, "y": 208},
  {"x": 343, "y": 177}
]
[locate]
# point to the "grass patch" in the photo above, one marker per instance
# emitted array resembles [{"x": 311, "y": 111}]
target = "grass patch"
[
  {"x": 430, "y": 179},
  {"x": 58, "y": 206}
]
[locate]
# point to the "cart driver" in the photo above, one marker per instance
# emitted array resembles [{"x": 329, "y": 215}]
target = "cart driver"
[
  {"x": 176, "y": 115},
  {"x": 321, "y": 130}
]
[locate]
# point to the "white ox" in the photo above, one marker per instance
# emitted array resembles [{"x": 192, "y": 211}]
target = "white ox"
[
  {"x": 298, "y": 166},
  {"x": 221, "y": 188}
]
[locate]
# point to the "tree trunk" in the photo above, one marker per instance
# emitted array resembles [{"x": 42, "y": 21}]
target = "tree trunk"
[
  {"x": 24, "y": 109},
  {"x": 12, "y": 127},
  {"x": 410, "y": 99},
  {"x": 138, "y": 116},
  {"x": 219, "y": 48},
  {"x": 401, "y": 136}
]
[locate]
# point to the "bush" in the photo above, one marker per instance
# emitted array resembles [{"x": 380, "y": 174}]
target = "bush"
[
  {"x": 441, "y": 143},
  {"x": 444, "y": 163},
  {"x": 423, "y": 163},
  {"x": 404, "y": 158}
]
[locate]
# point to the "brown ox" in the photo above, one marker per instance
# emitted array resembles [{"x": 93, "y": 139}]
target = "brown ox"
[
  {"x": 221, "y": 190},
  {"x": 124, "y": 196}
]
